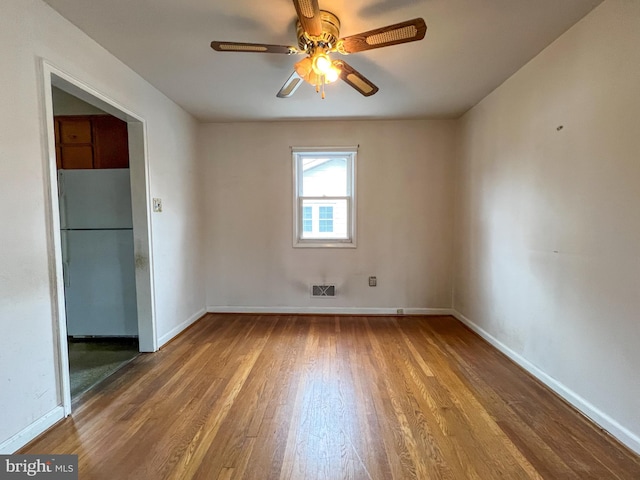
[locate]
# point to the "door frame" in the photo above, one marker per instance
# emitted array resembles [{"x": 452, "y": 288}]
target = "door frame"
[{"x": 141, "y": 211}]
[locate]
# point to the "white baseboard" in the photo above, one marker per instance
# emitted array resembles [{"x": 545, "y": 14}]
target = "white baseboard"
[
  {"x": 329, "y": 310},
  {"x": 601, "y": 419},
  {"x": 175, "y": 331},
  {"x": 30, "y": 432}
]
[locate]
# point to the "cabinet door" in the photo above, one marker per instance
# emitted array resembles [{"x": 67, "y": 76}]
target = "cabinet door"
[
  {"x": 74, "y": 142},
  {"x": 76, "y": 156},
  {"x": 111, "y": 142},
  {"x": 75, "y": 131},
  {"x": 91, "y": 141}
]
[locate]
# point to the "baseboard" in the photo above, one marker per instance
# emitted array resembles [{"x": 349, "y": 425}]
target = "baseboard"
[
  {"x": 598, "y": 417},
  {"x": 30, "y": 432},
  {"x": 330, "y": 310},
  {"x": 176, "y": 330}
]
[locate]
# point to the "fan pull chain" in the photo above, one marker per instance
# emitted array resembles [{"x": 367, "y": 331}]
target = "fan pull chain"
[{"x": 320, "y": 85}]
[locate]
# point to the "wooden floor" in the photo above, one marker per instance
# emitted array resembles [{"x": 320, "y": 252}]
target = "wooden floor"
[{"x": 306, "y": 397}]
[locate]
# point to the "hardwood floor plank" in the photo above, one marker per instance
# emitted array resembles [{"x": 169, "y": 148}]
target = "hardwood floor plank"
[
  {"x": 266, "y": 462},
  {"x": 365, "y": 427},
  {"x": 330, "y": 397},
  {"x": 202, "y": 441},
  {"x": 458, "y": 403},
  {"x": 512, "y": 393},
  {"x": 421, "y": 457}
]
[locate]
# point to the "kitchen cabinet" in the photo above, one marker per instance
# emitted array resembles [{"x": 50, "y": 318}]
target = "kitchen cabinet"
[{"x": 91, "y": 142}]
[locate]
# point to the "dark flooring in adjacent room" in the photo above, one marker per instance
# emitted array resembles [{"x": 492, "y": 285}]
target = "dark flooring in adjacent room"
[{"x": 91, "y": 360}]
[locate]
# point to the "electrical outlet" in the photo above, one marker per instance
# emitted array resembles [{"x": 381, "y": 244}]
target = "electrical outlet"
[
  {"x": 157, "y": 205},
  {"x": 373, "y": 281},
  {"x": 400, "y": 311}
]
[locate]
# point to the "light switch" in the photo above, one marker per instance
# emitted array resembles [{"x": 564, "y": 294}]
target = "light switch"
[{"x": 157, "y": 205}]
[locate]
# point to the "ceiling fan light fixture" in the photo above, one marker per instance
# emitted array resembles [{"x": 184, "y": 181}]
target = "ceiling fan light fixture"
[
  {"x": 318, "y": 33},
  {"x": 303, "y": 68},
  {"x": 321, "y": 63},
  {"x": 318, "y": 69}
]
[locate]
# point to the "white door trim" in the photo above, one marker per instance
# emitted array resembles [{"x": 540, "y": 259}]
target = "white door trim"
[{"x": 53, "y": 76}]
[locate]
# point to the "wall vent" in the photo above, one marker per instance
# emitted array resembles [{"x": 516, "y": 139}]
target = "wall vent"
[{"x": 323, "y": 290}]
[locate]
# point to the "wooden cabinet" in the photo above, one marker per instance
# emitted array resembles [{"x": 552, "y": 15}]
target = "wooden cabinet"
[
  {"x": 111, "y": 142},
  {"x": 91, "y": 141},
  {"x": 74, "y": 142}
]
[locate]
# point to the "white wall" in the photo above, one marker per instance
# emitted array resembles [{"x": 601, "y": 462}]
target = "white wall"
[
  {"x": 29, "y": 30},
  {"x": 404, "y": 201},
  {"x": 66, "y": 104},
  {"x": 548, "y": 222}
]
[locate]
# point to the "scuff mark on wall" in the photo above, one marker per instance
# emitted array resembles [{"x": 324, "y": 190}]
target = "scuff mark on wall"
[{"x": 141, "y": 262}]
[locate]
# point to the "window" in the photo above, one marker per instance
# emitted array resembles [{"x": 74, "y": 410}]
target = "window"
[{"x": 324, "y": 199}]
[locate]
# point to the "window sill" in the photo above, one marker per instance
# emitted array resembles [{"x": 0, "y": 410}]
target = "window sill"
[{"x": 322, "y": 244}]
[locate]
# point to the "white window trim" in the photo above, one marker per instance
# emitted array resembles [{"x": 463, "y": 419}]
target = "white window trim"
[{"x": 299, "y": 242}]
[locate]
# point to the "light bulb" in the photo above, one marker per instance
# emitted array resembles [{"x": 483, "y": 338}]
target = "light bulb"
[
  {"x": 321, "y": 63},
  {"x": 332, "y": 75}
]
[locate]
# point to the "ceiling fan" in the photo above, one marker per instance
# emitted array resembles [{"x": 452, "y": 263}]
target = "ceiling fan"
[{"x": 318, "y": 34}]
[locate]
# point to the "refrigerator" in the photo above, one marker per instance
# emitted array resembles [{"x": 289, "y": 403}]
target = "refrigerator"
[{"x": 97, "y": 252}]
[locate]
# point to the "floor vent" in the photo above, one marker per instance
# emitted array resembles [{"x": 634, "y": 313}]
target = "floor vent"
[{"x": 323, "y": 290}]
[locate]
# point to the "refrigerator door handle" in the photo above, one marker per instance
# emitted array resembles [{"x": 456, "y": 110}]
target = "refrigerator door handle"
[
  {"x": 65, "y": 258},
  {"x": 66, "y": 277},
  {"x": 62, "y": 200},
  {"x": 60, "y": 184}
]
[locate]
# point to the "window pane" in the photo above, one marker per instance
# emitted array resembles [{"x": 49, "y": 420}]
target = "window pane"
[
  {"x": 324, "y": 177},
  {"x": 307, "y": 225},
  {"x": 329, "y": 218},
  {"x": 326, "y": 219}
]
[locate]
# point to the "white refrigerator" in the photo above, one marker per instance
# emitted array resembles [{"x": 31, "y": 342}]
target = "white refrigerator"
[{"x": 97, "y": 252}]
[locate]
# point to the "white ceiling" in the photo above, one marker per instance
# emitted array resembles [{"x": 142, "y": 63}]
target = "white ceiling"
[{"x": 470, "y": 48}]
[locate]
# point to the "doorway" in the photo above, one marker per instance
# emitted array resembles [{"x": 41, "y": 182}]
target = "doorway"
[
  {"x": 94, "y": 188},
  {"x": 144, "y": 337}
]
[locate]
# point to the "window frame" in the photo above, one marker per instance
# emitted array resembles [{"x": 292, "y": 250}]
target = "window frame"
[{"x": 298, "y": 155}]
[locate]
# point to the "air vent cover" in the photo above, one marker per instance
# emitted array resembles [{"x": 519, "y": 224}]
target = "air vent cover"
[{"x": 323, "y": 290}]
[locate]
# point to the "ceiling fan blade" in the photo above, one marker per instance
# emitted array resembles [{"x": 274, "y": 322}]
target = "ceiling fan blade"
[
  {"x": 309, "y": 15},
  {"x": 351, "y": 76},
  {"x": 253, "y": 47},
  {"x": 290, "y": 86},
  {"x": 403, "y": 32}
]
